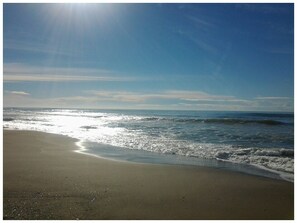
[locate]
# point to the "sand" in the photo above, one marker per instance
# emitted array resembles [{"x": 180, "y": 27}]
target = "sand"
[{"x": 44, "y": 179}]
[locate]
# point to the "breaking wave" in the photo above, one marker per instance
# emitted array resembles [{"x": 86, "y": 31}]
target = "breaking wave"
[
  {"x": 262, "y": 140},
  {"x": 227, "y": 121}
]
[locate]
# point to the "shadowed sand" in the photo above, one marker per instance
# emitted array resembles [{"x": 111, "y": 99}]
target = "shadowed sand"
[{"x": 45, "y": 179}]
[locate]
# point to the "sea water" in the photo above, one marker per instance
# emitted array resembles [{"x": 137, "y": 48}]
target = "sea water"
[{"x": 246, "y": 141}]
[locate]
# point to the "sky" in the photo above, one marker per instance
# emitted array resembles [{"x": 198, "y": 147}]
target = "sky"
[{"x": 237, "y": 57}]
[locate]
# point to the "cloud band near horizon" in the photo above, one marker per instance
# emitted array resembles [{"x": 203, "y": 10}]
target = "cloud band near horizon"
[{"x": 171, "y": 99}]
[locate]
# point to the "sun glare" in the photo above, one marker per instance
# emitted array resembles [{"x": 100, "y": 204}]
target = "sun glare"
[
  {"x": 74, "y": 26},
  {"x": 80, "y": 13}
]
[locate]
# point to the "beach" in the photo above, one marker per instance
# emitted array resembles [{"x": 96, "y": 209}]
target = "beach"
[{"x": 44, "y": 178}]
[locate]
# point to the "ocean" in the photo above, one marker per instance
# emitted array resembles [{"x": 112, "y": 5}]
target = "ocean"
[{"x": 252, "y": 142}]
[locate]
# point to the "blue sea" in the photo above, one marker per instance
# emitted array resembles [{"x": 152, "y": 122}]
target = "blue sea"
[{"x": 251, "y": 142}]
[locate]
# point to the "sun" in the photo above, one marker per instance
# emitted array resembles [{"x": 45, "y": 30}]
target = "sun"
[{"x": 81, "y": 17}]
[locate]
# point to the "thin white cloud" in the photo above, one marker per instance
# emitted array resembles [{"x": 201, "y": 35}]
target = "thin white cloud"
[
  {"x": 35, "y": 48},
  {"x": 262, "y": 8},
  {"x": 172, "y": 100},
  {"x": 171, "y": 94},
  {"x": 273, "y": 98},
  {"x": 119, "y": 96},
  {"x": 57, "y": 78},
  {"x": 196, "y": 96},
  {"x": 201, "y": 22},
  {"x": 21, "y": 93},
  {"x": 14, "y": 72},
  {"x": 204, "y": 45}
]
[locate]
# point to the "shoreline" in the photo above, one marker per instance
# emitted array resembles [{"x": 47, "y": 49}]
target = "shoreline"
[
  {"x": 45, "y": 179},
  {"x": 119, "y": 154},
  {"x": 251, "y": 169},
  {"x": 256, "y": 161}
]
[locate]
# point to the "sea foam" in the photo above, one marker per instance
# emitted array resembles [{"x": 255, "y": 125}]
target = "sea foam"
[{"x": 224, "y": 138}]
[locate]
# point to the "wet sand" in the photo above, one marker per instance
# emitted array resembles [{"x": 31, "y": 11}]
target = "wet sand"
[{"x": 44, "y": 179}]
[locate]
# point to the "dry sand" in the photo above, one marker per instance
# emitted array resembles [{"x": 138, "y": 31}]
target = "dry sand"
[{"x": 45, "y": 179}]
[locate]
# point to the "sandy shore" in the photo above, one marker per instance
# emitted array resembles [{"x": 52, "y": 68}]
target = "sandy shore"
[{"x": 45, "y": 179}]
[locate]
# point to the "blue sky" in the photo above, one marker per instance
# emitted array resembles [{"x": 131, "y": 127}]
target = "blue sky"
[{"x": 149, "y": 56}]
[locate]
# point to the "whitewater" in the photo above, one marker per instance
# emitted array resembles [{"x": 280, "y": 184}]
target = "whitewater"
[{"x": 261, "y": 140}]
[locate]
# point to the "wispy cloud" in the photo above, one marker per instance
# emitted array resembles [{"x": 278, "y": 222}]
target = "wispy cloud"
[
  {"x": 118, "y": 96},
  {"x": 35, "y": 48},
  {"x": 165, "y": 95},
  {"x": 202, "y": 23},
  {"x": 199, "y": 39},
  {"x": 201, "y": 33},
  {"x": 21, "y": 93},
  {"x": 267, "y": 8},
  {"x": 177, "y": 99},
  {"x": 58, "y": 78},
  {"x": 204, "y": 45},
  {"x": 173, "y": 99},
  {"x": 14, "y": 72},
  {"x": 273, "y": 98}
]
